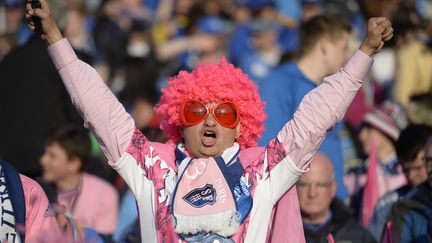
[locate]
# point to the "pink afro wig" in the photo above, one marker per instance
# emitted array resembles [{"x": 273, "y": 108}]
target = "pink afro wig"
[{"x": 212, "y": 82}]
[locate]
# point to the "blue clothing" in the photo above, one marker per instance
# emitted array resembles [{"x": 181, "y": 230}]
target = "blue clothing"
[
  {"x": 283, "y": 91},
  {"x": 315, "y": 227},
  {"x": 382, "y": 210},
  {"x": 290, "y": 8},
  {"x": 238, "y": 43},
  {"x": 255, "y": 67},
  {"x": 412, "y": 216},
  {"x": 128, "y": 217},
  {"x": 289, "y": 39},
  {"x": 91, "y": 236}
]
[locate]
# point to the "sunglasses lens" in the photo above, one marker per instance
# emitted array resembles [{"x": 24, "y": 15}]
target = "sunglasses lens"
[
  {"x": 194, "y": 112},
  {"x": 226, "y": 114}
]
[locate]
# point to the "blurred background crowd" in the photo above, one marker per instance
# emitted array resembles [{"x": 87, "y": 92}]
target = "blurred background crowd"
[{"x": 371, "y": 168}]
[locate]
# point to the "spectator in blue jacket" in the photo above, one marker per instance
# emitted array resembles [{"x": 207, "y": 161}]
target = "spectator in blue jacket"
[
  {"x": 412, "y": 217},
  {"x": 265, "y": 55},
  {"x": 410, "y": 153},
  {"x": 324, "y": 49}
]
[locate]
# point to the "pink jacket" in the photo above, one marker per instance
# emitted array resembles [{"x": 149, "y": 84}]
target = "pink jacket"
[
  {"x": 96, "y": 205},
  {"x": 150, "y": 171},
  {"x": 41, "y": 225}
]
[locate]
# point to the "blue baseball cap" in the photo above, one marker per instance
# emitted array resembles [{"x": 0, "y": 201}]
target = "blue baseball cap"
[{"x": 212, "y": 25}]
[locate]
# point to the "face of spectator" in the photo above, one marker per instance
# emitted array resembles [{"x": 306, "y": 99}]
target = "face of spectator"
[
  {"x": 241, "y": 15},
  {"x": 56, "y": 165},
  {"x": 336, "y": 52},
  {"x": 415, "y": 170},
  {"x": 75, "y": 24},
  {"x": 209, "y": 138},
  {"x": 14, "y": 17},
  {"x": 316, "y": 190},
  {"x": 369, "y": 136},
  {"x": 265, "y": 40},
  {"x": 208, "y": 43},
  {"x": 184, "y": 6},
  {"x": 418, "y": 113}
]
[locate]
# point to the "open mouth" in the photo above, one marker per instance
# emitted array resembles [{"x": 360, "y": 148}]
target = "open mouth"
[
  {"x": 209, "y": 138},
  {"x": 210, "y": 134}
]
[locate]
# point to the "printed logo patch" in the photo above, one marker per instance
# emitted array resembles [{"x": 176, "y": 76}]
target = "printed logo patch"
[{"x": 200, "y": 197}]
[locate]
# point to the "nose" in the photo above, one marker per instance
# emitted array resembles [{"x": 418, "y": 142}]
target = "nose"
[
  {"x": 43, "y": 159},
  {"x": 210, "y": 121},
  {"x": 312, "y": 190}
]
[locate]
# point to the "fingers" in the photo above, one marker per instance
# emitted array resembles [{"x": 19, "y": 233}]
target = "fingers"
[
  {"x": 44, "y": 5},
  {"x": 378, "y": 20},
  {"x": 387, "y": 35},
  {"x": 382, "y": 26},
  {"x": 374, "y": 22},
  {"x": 380, "y": 46},
  {"x": 40, "y": 13},
  {"x": 28, "y": 6}
]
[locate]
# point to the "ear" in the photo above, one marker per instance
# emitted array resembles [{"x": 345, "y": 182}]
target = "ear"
[
  {"x": 333, "y": 188},
  {"x": 323, "y": 45},
  {"x": 238, "y": 133},
  {"x": 75, "y": 164}
]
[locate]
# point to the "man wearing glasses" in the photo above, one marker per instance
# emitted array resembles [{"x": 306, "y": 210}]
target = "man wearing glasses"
[
  {"x": 410, "y": 155},
  {"x": 412, "y": 217},
  {"x": 324, "y": 216}
]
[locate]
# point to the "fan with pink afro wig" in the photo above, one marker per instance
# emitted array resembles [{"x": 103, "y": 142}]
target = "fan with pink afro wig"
[{"x": 213, "y": 82}]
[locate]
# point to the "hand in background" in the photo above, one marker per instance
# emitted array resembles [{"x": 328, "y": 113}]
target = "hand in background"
[{"x": 50, "y": 30}]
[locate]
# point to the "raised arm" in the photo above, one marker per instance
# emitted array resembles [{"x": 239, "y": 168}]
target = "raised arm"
[
  {"x": 101, "y": 111},
  {"x": 327, "y": 104}
]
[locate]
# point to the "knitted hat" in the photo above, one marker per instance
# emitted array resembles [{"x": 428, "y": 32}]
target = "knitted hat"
[{"x": 389, "y": 118}]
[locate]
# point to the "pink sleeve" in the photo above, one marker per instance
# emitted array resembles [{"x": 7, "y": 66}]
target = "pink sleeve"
[
  {"x": 321, "y": 108},
  {"x": 41, "y": 224},
  {"x": 101, "y": 111}
]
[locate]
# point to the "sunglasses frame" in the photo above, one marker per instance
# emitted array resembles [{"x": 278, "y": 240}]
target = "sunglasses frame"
[{"x": 209, "y": 110}]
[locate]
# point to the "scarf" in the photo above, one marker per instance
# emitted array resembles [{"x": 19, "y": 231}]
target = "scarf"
[
  {"x": 12, "y": 205},
  {"x": 210, "y": 196}
]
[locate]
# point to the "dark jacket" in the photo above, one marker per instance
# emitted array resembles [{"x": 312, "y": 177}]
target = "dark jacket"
[
  {"x": 412, "y": 216},
  {"x": 341, "y": 227},
  {"x": 33, "y": 103}
]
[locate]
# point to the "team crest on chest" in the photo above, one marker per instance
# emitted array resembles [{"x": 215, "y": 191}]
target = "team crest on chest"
[{"x": 200, "y": 197}]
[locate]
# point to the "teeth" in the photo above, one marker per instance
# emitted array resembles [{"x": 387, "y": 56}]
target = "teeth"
[{"x": 209, "y": 134}]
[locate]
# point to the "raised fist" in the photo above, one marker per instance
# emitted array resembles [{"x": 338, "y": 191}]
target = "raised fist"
[
  {"x": 50, "y": 32},
  {"x": 379, "y": 30}
]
